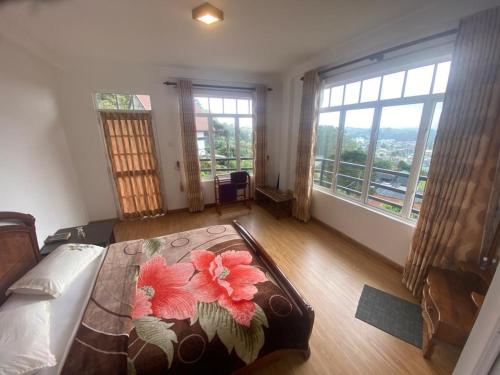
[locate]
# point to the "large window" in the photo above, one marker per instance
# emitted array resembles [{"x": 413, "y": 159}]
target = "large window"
[
  {"x": 375, "y": 137},
  {"x": 224, "y": 128}
]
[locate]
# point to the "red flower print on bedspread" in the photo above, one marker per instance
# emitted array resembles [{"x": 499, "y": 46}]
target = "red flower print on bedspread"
[
  {"x": 142, "y": 304},
  {"x": 162, "y": 290},
  {"x": 229, "y": 279}
]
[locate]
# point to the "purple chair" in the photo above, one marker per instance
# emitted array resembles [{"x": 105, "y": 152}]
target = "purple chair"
[{"x": 235, "y": 189}]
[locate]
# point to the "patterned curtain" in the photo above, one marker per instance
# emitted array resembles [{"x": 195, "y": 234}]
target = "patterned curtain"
[
  {"x": 259, "y": 137},
  {"x": 306, "y": 146},
  {"x": 458, "y": 210},
  {"x": 194, "y": 193},
  {"x": 131, "y": 150},
  {"x": 490, "y": 247}
]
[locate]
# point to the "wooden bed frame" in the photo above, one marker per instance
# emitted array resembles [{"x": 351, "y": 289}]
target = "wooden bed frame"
[
  {"x": 19, "y": 253},
  {"x": 18, "y": 248},
  {"x": 285, "y": 284}
]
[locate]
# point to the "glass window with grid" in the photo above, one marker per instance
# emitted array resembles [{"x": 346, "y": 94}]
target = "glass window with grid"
[
  {"x": 123, "y": 102},
  {"x": 224, "y": 128},
  {"x": 375, "y": 137}
]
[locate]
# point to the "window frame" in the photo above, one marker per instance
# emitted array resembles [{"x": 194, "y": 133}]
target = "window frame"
[
  {"x": 210, "y": 118},
  {"x": 429, "y": 102},
  {"x": 117, "y": 106}
]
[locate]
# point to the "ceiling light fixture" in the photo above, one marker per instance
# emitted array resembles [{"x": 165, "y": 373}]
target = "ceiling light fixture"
[{"x": 208, "y": 14}]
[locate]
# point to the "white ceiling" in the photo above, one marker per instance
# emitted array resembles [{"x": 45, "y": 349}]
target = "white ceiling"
[{"x": 256, "y": 35}]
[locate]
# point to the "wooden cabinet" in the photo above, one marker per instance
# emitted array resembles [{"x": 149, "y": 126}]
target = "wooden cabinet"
[
  {"x": 448, "y": 307},
  {"x": 98, "y": 233},
  {"x": 277, "y": 201}
]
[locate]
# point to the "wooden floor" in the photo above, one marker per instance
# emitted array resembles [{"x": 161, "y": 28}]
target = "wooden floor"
[{"x": 330, "y": 273}]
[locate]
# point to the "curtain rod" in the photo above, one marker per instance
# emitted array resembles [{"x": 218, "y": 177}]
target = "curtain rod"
[
  {"x": 379, "y": 56},
  {"x": 169, "y": 83}
]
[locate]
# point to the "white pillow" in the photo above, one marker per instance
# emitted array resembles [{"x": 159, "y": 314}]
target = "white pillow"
[
  {"x": 56, "y": 272},
  {"x": 25, "y": 340}
]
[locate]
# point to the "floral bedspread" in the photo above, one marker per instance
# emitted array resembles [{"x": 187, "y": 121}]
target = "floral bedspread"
[
  {"x": 204, "y": 303},
  {"x": 101, "y": 340}
]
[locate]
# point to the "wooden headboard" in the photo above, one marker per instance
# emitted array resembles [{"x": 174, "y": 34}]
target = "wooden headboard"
[{"x": 18, "y": 248}]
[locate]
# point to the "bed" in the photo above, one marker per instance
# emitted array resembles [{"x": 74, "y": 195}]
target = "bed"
[{"x": 209, "y": 300}]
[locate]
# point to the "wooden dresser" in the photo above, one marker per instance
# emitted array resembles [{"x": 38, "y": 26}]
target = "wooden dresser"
[{"x": 450, "y": 304}]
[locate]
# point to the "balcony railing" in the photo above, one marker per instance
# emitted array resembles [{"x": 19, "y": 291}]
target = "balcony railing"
[
  {"x": 219, "y": 161},
  {"x": 323, "y": 176}
]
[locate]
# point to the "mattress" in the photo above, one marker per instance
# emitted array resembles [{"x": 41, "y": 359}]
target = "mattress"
[{"x": 66, "y": 310}]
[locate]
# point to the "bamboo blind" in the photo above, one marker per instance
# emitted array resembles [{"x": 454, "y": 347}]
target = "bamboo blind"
[{"x": 131, "y": 150}]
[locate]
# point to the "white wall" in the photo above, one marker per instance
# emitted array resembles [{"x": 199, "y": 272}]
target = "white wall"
[
  {"x": 36, "y": 169},
  {"x": 388, "y": 236},
  {"x": 382, "y": 233},
  {"x": 80, "y": 83}
]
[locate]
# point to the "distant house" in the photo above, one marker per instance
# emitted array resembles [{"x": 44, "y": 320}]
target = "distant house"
[
  {"x": 142, "y": 102},
  {"x": 202, "y": 132}
]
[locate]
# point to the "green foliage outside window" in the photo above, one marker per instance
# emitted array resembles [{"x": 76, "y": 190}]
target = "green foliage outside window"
[
  {"x": 392, "y": 208},
  {"x": 403, "y": 166},
  {"x": 354, "y": 156},
  {"x": 326, "y": 142},
  {"x": 118, "y": 101},
  {"x": 224, "y": 139},
  {"x": 106, "y": 101}
]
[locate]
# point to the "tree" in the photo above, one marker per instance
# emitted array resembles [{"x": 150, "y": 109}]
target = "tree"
[
  {"x": 125, "y": 101},
  {"x": 354, "y": 156},
  {"x": 392, "y": 208},
  {"x": 326, "y": 141},
  {"x": 111, "y": 101},
  {"x": 106, "y": 101},
  {"x": 383, "y": 163},
  {"x": 404, "y": 166}
]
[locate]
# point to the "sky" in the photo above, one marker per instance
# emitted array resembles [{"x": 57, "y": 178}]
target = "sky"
[{"x": 418, "y": 81}]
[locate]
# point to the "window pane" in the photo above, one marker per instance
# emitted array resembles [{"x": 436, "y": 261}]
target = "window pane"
[
  {"x": 357, "y": 129},
  {"x": 325, "y": 98},
  {"x": 424, "y": 170},
  {"x": 224, "y": 144},
  {"x": 370, "y": 89},
  {"x": 326, "y": 148},
  {"x": 137, "y": 104},
  {"x": 243, "y": 107},
  {"x": 394, "y": 150},
  {"x": 441, "y": 80},
  {"x": 201, "y": 105},
  {"x": 336, "y": 96},
  {"x": 142, "y": 102},
  {"x": 246, "y": 144},
  {"x": 352, "y": 93},
  {"x": 216, "y": 105},
  {"x": 203, "y": 141},
  {"x": 106, "y": 101},
  {"x": 418, "y": 81},
  {"x": 230, "y": 106},
  {"x": 125, "y": 102},
  {"x": 392, "y": 85}
]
